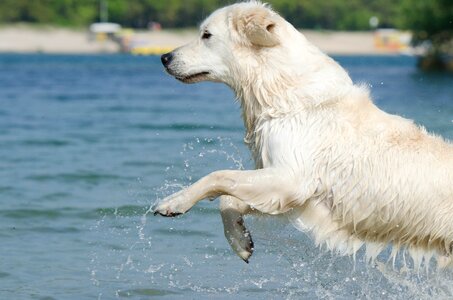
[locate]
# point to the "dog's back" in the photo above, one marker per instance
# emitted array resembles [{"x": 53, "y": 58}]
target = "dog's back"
[{"x": 381, "y": 179}]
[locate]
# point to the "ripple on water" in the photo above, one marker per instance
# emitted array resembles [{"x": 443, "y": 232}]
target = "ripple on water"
[
  {"x": 183, "y": 232},
  {"x": 142, "y": 163},
  {"x": 71, "y": 213},
  {"x": 45, "y": 143},
  {"x": 22, "y": 230},
  {"x": 55, "y": 196},
  {"x": 123, "y": 211},
  {"x": 85, "y": 177},
  {"x": 49, "y": 229},
  {"x": 145, "y": 292},
  {"x": 78, "y": 97},
  {"x": 4, "y": 189},
  {"x": 31, "y": 213},
  {"x": 186, "y": 127}
]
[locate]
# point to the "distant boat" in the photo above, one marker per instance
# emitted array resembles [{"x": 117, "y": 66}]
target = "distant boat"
[
  {"x": 103, "y": 30},
  {"x": 150, "y": 50},
  {"x": 391, "y": 40}
]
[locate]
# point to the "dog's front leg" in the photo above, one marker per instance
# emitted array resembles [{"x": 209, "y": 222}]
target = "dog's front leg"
[
  {"x": 232, "y": 209},
  {"x": 268, "y": 190}
]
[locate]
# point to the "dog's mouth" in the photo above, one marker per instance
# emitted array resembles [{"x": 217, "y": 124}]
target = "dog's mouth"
[{"x": 193, "y": 77}]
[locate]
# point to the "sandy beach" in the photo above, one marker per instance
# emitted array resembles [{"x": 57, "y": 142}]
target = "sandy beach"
[
  {"x": 29, "y": 39},
  {"x": 42, "y": 39}
]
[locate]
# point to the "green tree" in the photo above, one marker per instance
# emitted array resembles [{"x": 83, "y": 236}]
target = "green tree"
[
  {"x": 430, "y": 21},
  {"x": 325, "y": 14}
]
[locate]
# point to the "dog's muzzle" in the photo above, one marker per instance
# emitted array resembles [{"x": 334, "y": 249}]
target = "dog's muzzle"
[{"x": 166, "y": 58}]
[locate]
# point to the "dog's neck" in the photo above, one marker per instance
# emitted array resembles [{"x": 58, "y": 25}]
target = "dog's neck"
[
  {"x": 260, "y": 100},
  {"x": 266, "y": 92}
]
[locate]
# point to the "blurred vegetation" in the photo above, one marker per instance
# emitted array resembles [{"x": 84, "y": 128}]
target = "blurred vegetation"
[
  {"x": 337, "y": 14},
  {"x": 429, "y": 16},
  {"x": 324, "y": 14},
  {"x": 430, "y": 20}
]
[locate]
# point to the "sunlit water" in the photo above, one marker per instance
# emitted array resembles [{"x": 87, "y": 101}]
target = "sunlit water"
[{"x": 88, "y": 143}]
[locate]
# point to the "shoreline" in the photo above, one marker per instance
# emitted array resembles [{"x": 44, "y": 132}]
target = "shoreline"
[{"x": 22, "y": 38}]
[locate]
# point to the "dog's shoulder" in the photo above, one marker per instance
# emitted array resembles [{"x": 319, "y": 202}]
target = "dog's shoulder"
[{"x": 372, "y": 123}]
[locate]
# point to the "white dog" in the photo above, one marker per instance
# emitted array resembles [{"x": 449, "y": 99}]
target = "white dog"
[{"x": 325, "y": 155}]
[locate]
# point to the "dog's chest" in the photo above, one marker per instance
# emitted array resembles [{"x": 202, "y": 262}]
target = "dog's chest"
[{"x": 287, "y": 142}]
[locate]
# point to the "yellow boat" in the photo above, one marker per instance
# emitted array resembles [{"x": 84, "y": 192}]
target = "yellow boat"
[{"x": 150, "y": 50}]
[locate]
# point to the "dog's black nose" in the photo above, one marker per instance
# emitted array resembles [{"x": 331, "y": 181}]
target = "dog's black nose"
[{"x": 166, "y": 58}]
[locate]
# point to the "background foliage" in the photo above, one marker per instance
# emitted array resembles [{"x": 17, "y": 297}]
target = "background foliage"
[
  {"x": 325, "y": 14},
  {"x": 428, "y": 18}
]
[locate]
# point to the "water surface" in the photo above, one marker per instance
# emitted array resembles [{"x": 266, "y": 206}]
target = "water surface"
[{"x": 88, "y": 143}]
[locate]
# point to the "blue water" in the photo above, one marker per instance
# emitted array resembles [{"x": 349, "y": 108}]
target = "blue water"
[{"x": 88, "y": 143}]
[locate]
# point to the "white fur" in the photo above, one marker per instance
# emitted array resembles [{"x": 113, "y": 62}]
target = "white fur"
[{"x": 326, "y": 156}]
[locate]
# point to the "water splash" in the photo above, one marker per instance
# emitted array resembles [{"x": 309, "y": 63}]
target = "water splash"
[{"x": 141, "y": 255}]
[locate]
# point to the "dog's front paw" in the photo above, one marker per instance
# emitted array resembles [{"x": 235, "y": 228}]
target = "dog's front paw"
[{"x": 173, "y": 205}]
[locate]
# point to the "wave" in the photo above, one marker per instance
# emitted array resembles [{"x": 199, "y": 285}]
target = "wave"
[
  {"x": 85, "y": 177},
  {"x": 186, "y": 127},
  {"x": 77, "y": 213},
  {"x": 145, "y": 292},
  {"x": 45, "y": 142}
]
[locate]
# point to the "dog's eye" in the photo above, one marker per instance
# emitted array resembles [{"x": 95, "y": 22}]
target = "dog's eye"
[{"x": 206, "y": 35}]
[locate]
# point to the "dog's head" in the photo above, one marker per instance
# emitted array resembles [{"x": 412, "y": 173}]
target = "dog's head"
[{"x": 230, "y": 38}]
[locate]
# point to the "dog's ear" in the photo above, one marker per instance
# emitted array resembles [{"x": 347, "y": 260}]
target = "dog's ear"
[{"x": 259, "y": 27}]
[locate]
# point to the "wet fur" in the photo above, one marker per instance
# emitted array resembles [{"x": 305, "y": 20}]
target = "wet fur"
[{"x": 353, "y": 175}]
